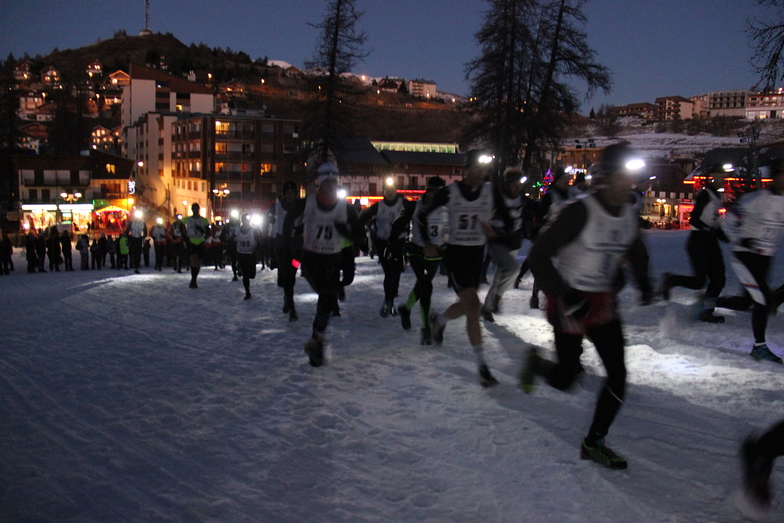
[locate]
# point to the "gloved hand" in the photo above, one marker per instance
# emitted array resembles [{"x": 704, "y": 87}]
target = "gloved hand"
[{"x": 575, "y": 305}]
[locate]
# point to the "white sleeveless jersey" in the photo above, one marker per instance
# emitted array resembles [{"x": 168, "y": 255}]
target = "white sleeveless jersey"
[
  {"x": 515, "y": 210},
  {"x": 246, "y": 241},
  {"x": 590, "y": 262},
  {"x": 320, "y": 235},
  {"x": 386, "y": 216},
  {"x": 280, "y": 217},
  {"x": 137, "y": 229},
  {"x": 465, "y": 216},
  {"x": 436, "y": 226},
  {"x": 158, "y": 233},
  {"x": 762, "y": 220},
  {"x": 710, "y": 213}
]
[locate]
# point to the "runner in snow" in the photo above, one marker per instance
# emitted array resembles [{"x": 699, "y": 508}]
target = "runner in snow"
[
  {"x": 508, "y": 226},
  {"x": 390, "y": 239},
  {"x": 756, "y": 224},
  {"x": 758, "y": 455},
  {"x": 247, "y": 238},
  {"x": 576, "y": 261},
  {"x": 424, "y": 268},
  {"x": 469, "y": 206},
  {"x": 287, "y": 272},
  {"x": 196, "y": 227},
  {"x": 704, "y": 248},
  {"x": 327, "y": 220},
  {"x": 158, "y": 233}
]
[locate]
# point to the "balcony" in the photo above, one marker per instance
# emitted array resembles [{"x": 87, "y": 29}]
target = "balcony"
[{"x": 235, "y": 135}]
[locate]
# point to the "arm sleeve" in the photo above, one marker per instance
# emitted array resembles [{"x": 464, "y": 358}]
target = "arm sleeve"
[
  {"x": 699, "y": 207},
  {"x": 565, "y": 228},
  {"x": 403, "y": 223},
  {"x": 367, "y": 214},
  {"x": 288, "y": 224}
]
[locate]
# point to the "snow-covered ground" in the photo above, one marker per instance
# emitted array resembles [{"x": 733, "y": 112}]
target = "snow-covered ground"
[{"x": 134, "y": 398}]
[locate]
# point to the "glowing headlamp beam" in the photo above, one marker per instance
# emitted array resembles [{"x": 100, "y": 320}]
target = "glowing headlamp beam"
[{"x": 634, "y": 165}]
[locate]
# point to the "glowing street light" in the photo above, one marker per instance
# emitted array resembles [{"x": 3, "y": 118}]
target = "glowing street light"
[{"x": 70, "y": 197}]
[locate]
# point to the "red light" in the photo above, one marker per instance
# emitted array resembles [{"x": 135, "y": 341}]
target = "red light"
[{"x": 295, "y": 263}]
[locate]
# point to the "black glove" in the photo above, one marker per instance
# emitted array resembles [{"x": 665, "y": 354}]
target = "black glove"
[{"x": 575, "y": 305}]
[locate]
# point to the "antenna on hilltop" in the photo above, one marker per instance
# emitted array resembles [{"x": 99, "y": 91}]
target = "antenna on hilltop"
[{"x": 146, "y": 31}]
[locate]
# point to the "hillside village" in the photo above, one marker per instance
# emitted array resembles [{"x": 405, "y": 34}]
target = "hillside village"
[{"x": 167, "y": 125}]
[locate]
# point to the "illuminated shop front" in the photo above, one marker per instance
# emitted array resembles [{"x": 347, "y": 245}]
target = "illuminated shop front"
[{"x": 112, "y": 215}]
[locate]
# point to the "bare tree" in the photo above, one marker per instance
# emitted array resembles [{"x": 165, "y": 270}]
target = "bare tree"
[
  {"x": 339, "y": 49},
  {"x": 521, "y": 98},
  {"x": 768, "y": 43}
]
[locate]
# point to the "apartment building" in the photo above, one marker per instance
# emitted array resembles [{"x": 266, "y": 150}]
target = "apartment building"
[
  {"x": 728, "y": 103},
  {"x": 76, "y": 189},
  {"x": 423, "y": 88},
  {"x": 765, "y": 105},
  {"x": 673, "y": 108},
  {"x": 250, "y": 156},
  {"x": 644, "y": 109},
  {"x": 150, "y": 90}
]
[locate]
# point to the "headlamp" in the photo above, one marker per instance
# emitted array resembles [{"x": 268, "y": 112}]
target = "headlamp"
[{"x": 634, "y": 165}]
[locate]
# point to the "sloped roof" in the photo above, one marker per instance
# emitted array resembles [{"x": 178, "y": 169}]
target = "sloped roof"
[{"x": 358, "y": 151}]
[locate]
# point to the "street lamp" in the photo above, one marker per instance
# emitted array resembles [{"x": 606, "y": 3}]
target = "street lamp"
[
  {"x": 70, "y": 197},
  {"x": 221, "y": 194}
]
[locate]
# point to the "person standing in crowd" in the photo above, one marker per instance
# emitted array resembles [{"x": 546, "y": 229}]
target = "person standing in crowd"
[
  {"x": 96, "y": 257},
  {"x": 704, "y": 248},
  {"x": 111, "y": 250},
  {"x": 469, "y": 205},
  {"x": 756, "y": 224},
  {"x": 158, "y": 233},
  {"x": 577, "y": 260},
  {"x": 196, "y": 227},
  {"x": 326, "y": 221},
  {"x": 136, "y": 232},
  {"x": 177, "y": 237},
  {"x": 508, "y": 226},
  {"x": 83, "y": 246},
  {"x": 124, "y": 248},
  {"x": 54, "y": 250},
  {"x": 390, "y": 239},
  {"x": 146, "y": 252},
  {"x": 287, "y": 272},
  {"x": 424, "y": 268},
  {"x": 6, "y": 251},
  {"x": 247, "y": 237},
  {"x": 40, "y": 249},
  {"x": 103, "y": 249},
  {"x": 66, "y": 248},
  {"x": 32, "y": 257},
  {"x": 757, "y": 456}
]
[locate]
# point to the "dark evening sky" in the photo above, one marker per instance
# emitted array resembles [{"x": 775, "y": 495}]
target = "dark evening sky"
[{"x": 653, "y": 48}]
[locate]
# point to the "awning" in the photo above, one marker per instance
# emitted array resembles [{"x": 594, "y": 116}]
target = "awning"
[{"x": 112, "y": 208}]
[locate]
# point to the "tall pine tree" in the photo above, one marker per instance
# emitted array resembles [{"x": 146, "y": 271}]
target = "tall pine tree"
[
  {"x": 521, "y": 84},
  {"x": 339, "y": 49}
]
